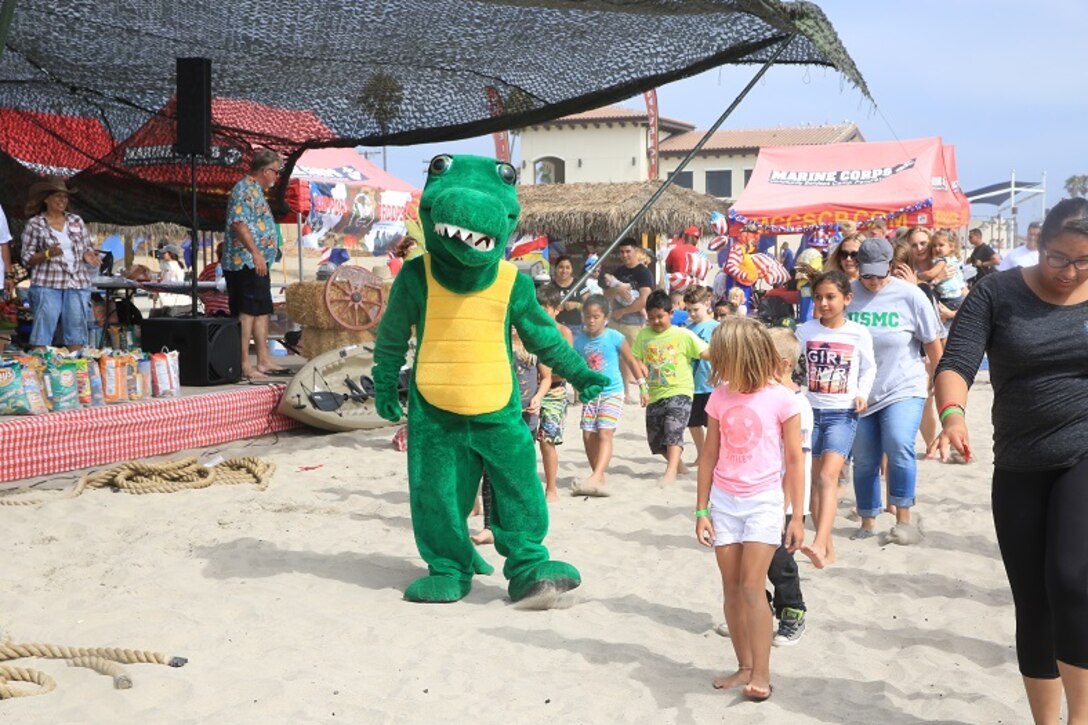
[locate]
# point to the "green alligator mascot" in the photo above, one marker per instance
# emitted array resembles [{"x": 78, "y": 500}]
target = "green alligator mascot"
[{"x": 464, "y": 407}]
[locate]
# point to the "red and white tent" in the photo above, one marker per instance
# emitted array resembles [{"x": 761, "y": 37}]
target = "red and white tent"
[
  {"x": 798, "y": 189},
  {"x": 346, "y": 200}
]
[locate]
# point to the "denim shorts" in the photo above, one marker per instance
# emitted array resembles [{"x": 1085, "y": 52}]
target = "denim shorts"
[
  {"x": 71, "y": 307},
  {"x": 833, "y": 431}
]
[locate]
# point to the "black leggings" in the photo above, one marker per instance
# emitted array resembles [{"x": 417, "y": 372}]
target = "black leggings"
[{"x": 1040, "y": 520}]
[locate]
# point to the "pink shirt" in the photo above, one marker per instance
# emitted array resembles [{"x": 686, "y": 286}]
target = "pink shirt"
[{"x": 750, "y": 456}]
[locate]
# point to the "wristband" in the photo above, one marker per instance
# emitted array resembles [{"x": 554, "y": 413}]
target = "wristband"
[
  {"x": 946, "y": 406},
  {"x": 702, "y": 513},
  {"x": 640, "y": 381},
  {"x": 954, "y": 410}
]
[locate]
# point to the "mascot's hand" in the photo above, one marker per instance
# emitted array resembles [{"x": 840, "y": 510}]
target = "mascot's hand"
[
  {"x": 589, "y": 385},
  {"x": 388, "y": 405}
]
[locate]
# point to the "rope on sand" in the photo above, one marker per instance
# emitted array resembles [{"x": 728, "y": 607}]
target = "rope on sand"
[
  {"x": 104, "y": 660},
  {"x": 186, "y": 473}
]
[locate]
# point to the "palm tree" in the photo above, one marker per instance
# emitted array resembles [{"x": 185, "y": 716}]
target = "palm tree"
[{"x": 1077, "y": 185}]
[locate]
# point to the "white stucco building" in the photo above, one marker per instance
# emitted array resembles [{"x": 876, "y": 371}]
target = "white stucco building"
[{"x": 610, "y": 144}]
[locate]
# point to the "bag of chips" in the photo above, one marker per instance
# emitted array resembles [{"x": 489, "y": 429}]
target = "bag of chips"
[
  {"x": 32, "y": 388},
  {"x": 63, "y": 387},
  {"x": 114, "y": 379},
  {"x": 143, "y": 368},
  {"x": 12, "y": 393},
  {"x": 164, "y": 375},
  {"x": 94, "y": 374},
  {"x": 83, "y": 381}
]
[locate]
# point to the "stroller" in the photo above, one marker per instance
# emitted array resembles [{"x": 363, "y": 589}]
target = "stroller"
[{"x": 774, "y": 311}]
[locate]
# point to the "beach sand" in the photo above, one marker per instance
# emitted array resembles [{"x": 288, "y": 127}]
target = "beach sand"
[{"x": 288, "y": 604}]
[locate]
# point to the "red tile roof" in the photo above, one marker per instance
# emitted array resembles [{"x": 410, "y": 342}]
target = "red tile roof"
[
  {"x": 619, "y": 114},
  {"x": 760, "y": 137}
]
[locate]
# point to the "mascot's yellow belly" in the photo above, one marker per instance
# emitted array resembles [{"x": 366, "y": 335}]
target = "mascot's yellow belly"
[{"x": 463, "y": 364}]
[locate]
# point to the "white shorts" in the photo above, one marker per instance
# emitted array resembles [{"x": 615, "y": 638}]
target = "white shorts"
[{"x": 752, "y": 519}]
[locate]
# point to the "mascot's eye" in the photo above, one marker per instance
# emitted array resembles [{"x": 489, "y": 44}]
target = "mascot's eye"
[
  {"x": 507, "y": 173},
  {"x": 440, "y": 164}
]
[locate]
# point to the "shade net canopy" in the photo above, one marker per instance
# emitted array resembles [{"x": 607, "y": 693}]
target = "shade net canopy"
[
  {"x": 800, "y": 189},
  {"x": 310, "y": 73}
]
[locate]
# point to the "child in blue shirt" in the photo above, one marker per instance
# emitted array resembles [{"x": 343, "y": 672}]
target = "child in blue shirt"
[
  {"x": 603, "y": 349},
  {"x": 702, "y": 323}
]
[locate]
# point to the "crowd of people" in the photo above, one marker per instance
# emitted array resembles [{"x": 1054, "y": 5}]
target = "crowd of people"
[{"x": 888, "y": 313}]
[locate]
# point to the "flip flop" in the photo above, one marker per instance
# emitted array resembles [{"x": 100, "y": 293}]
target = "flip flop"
[
  {"x": 255, "y": 380},
  {"x": 279, "y": 372}
]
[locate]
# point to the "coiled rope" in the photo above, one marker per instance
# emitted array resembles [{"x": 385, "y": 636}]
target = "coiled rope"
[
  {"x": 104, "y": 660},
  {"x": 142, "y": 477}
]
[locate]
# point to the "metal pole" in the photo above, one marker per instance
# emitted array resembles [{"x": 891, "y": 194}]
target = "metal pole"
[
  {"x": 194, "y": 234},
  {"x": 683, "y": 164},
  {"x": 1013, "y": 210},
  {"x": 298, "y": 221}
]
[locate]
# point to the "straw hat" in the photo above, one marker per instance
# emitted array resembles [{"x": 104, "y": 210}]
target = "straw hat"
[{"x": 39, "y": 190}]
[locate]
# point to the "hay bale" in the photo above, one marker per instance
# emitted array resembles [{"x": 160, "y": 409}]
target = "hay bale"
[
  {"x": 306, "y": 305},
  {"x": 306, "y": 302},
  {"x": 316, "y": 341}
]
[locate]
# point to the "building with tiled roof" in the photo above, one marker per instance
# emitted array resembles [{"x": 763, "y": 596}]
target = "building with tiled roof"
[{"x": 610, "y": 144}]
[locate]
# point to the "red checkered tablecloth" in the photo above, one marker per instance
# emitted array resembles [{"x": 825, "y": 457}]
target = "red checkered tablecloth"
[{"x": 44, "y": 444}]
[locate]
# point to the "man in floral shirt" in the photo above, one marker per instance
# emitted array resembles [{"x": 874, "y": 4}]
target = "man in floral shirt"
[{"x": 250, "y": 252}]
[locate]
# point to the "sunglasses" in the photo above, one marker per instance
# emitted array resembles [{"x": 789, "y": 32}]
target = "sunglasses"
[
  {"x": 1060, "y": 261},
  {"x": 848, "y": 255},
  {"x": 874, "y": 276}
]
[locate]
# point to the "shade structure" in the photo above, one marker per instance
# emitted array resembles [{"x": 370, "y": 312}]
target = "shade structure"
[
  {"x": 798, "y": 189},
  {"x": 599, "y": 212},
  {"x": 377, "y": 72}
]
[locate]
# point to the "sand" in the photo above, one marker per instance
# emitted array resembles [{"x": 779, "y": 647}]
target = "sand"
[{"x": 288, "y": 605}]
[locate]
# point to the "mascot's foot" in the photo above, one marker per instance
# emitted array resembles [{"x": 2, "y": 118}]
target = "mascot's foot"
[
  {"x": 541, "y": 587},
  {"x": 480, "y": 566},
  {"x": 437, "y": 589}
]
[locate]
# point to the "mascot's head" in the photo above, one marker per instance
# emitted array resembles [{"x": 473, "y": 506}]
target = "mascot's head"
[{"x": 468, "y": 210}]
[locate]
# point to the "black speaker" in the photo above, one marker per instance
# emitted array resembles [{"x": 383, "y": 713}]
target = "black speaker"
[
  {"x": 209, "y": 348},
  {"x": 194, "y": 94}
]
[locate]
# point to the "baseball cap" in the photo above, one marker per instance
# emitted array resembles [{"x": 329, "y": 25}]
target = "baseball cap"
[
  {"x": 875, "y": 257},
  {"x": 692, "y": 231}
]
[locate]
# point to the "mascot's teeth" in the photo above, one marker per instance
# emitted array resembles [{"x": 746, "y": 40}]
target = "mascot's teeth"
[{"x": 476, "y": 240}]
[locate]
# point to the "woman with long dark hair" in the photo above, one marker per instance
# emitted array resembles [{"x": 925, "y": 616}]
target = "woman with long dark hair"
[{"x": 1032, "y": 323}]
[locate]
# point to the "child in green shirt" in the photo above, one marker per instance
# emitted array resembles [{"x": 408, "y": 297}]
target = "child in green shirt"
[{"x": 667, "y": 352}]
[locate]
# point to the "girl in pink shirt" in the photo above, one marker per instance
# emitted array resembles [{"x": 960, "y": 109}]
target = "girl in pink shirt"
[{"x": 753, "y": 435}]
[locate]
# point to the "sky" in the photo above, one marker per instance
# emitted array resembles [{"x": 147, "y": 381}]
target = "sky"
[{"x": 1003, "y": 81}]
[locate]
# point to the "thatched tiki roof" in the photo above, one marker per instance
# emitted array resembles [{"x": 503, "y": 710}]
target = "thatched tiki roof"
[{"x": 597, "y": 212}]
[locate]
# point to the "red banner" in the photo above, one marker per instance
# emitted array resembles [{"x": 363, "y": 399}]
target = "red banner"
[{"x": 652, "y": 134}]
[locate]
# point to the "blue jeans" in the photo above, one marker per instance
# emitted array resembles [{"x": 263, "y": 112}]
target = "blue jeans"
[
  {"x": 890, "y": 430},
  {"x": 72, "y": 307},
  {"x": 833, "y": 431}
]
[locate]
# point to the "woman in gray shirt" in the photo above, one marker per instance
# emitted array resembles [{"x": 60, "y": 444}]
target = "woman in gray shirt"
[
  {"x": 1033, "y": 325},
  {"x": 903, "y": 325}
]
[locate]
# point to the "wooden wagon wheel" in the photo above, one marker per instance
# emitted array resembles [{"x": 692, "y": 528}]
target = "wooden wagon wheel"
[{"x": 354, "y": 297}]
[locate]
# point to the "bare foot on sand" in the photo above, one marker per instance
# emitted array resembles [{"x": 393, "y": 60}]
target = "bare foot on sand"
[
  {"x": 551, "y": 495},
  {"x": 667, "y": 479},
  {"x": 483, "y": 538},
  {"x": 682, "y": 469},
  {"x": 738, "y": 678},
  {"x": 758, "y": 691},
  {"x": 818, "y": 555}
]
